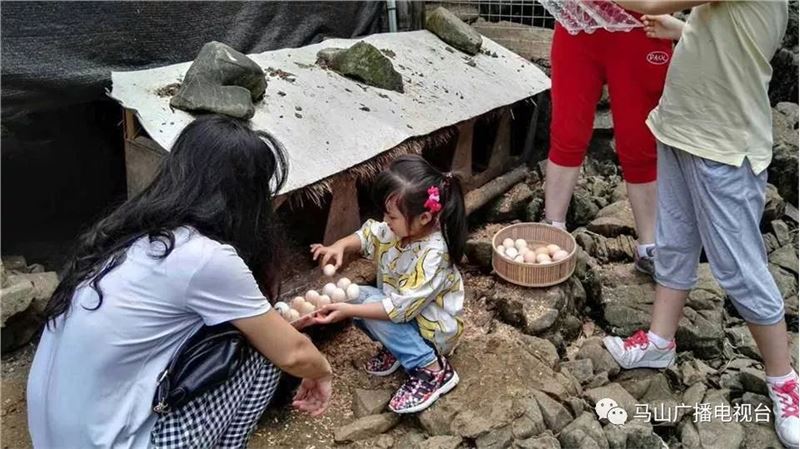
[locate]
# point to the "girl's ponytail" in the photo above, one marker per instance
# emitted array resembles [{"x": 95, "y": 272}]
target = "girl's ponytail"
[{"x": 453, "y": 217}]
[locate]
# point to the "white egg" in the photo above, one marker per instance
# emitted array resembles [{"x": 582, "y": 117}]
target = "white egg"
[
  {"x": 312, "y": 296},
  {"x": 281, "y": 307},
  {"x": 353, "y": 291},
  {"x": 529, "y": 257},
  {"x": 560, "y": 255},
  {"x": 508, "y": 243},
  {"x": 323, "y": 300},
  {"x": 519, "y": 259},
  {"x": 543, "y": 258},
  {"x": 343, "y": 283},
  {"x": 338, "y": 295},
  {"x": 551, "y": 249},
  {"x": 520, "y": 243},
  {"x": 297, "y": 302},
  {"x": 292, "y": 315},
  {"x": 512, "y": 252},
  {"x": 329, "y": 288},
  {"x": 501, "y": 249},
  {"x": 329, "y": 270},
  {"x": 307, "y": 308}
]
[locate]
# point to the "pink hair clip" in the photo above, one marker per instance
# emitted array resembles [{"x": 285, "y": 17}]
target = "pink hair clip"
[{"x": 433, "y": 204}]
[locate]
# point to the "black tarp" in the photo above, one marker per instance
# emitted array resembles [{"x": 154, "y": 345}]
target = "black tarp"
[
  {"x": 58, "y": 53},
  {"x": 62, "y": 147}
]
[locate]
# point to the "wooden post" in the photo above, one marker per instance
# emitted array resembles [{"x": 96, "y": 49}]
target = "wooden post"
[
  {"x": 343, "y": 215},
  {"x": 501, "y": 152},
  {"x": 462, "y": 158},
  {"x": 129, "y": 128}
]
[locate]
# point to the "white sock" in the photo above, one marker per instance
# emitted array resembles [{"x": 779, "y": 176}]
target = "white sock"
[
  {"x": 559, "y": 224},
  {"x": 642, "y": 249},
  {"x": 660, "y": 343},
  {"x": 775, "y": 380}
]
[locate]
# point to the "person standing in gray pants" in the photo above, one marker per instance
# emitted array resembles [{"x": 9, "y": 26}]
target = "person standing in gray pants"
[{"x": 713, "y": 125}]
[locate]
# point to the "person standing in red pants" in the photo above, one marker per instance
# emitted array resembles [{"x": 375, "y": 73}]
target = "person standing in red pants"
[{"x": 634, "y": 66}]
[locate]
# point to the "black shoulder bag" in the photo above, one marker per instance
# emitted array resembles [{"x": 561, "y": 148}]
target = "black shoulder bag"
[{"x": 207, "y": 359}]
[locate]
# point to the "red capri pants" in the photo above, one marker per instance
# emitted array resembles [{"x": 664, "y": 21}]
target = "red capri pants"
[{"x": 634, "y": 66}]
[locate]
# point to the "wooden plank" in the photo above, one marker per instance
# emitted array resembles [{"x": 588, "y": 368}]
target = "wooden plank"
[
  {"x": 142, "y": 159},
  {"x": 501, "y": 152},
  {"x": 344, "y": 217},
  {"x": 462, "y": 158},
  {"x": 130, "y": 124}
]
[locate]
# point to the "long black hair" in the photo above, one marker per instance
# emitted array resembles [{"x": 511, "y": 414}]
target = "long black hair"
[
  {"x": 219, "y": 178},
  {"x": 407, "y": 180}
]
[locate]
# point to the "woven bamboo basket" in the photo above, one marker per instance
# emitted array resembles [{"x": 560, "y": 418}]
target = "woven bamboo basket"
[{"x": 534, "y": 275}]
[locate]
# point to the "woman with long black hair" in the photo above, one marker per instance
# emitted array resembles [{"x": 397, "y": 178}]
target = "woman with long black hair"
[{"x": 197, "y": 247}]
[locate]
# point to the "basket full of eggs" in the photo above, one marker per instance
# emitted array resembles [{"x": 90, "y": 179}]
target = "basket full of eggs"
[{"x": 533, "y": 254}]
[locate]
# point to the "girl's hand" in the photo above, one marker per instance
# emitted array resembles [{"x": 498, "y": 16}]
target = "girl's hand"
[
  {"x": 333, "y": 313},
  {"x": 327, "y": 252},
  {"x": 304, "y": 321},
  {"x": 313, "y": 396},
  {"x": 663, "y": 26}
]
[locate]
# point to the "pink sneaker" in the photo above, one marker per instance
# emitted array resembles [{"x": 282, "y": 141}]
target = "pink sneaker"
[
  {"x": 785, "y": 410},
  {"x": 637, "y": 351}
]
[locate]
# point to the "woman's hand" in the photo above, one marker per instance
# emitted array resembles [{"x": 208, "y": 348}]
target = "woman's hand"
[
  {"x": 662, "y": 26},
  {"x": 335, "y": 251},
  {"x": 333, "y": 313},
  {"x": 313, "y": 396}
]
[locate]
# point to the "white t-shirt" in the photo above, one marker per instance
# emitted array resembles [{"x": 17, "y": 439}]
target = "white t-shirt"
[
  {"x": 715, "y": 103},
  {"x": 94, "y": 375}
]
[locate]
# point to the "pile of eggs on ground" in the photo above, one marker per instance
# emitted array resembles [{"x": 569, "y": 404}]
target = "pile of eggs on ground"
[
  {"x": 521, "y": 251},
  {"x": 341, "y": 291}
]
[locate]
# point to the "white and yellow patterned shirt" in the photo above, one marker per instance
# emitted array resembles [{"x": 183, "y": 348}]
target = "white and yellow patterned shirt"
[{"x": 419, "y": 281}]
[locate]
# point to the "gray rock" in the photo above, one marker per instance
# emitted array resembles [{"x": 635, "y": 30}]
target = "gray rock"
[
  {"x": 661, "y": 401},
  {"x": 531, "y": 423},
  {"x": 775, "y": 205},
  {"x": 541, "y": 349},
  {"x": 15, "y": 263},
  {"x": 370, "y": 402},
  {"x": 614, "y": 220},
  {"x": 582, "y": 369},
  {"x": 753, "y": 380},
  {"x": 601, "y": 359},
  {"x": 615, "y": 392},
  {"x": 636, "y": 381},
  {"x": 716, "y": 434},
  {"x": 16, "y": 297},
  {"x": 742, "y": 340},
  {"x": 223, "y": 81},
  {"x": 496, "y": 439},
  {"x": 479, "y": 252},
  {"x": 634, "y": 434},
  {"x": 694, "y": 394},
  {"x": 531, "y": 310},
  {"x": 541, "y": 442},
  {"x": 366, "y": 427},
  {"x": 555, "y": 415},
  {"x": 781, "y": 231},
  {"x": 785, "y": 257},
  {"x": 511, "y": 205},
  {"x": 620, "y": 193},
  {"x": 598, "y": 380},
  {"x": 585, "y": 426},
  {"x": 786, "y": 281},
  {"x": 543, "y": 321},
  {"x": 783, "y": 170},
  {"x": 693, "y": 371},
  {"x": 582, "y": 209},
  {"x": 761, "y": 436},
  {"x": 534, "y": 211},
  {"x": 603, "y": 122},
  {"x": 453, "y": 31},
  {"x": 441, "y": 442},
  {"x": 410, "y": 438},
  {"x": 364, "y": 62}
]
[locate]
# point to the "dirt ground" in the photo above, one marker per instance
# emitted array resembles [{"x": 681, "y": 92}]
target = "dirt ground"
[{"x": 345, "y": 347}]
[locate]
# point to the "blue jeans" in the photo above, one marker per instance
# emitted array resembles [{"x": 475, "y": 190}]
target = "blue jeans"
[{"x": 403, "y": 340}]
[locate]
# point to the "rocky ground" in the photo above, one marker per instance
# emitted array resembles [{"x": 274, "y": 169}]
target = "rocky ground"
[{"x": 531, "y": 362}]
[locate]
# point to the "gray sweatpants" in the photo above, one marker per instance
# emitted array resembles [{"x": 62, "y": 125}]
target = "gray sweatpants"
[{"x": 707, "y": 204}]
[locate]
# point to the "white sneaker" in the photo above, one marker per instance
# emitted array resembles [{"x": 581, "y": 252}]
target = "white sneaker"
[
  {"x": 785, "y": 411},
  {"x": 637, "y": 351}
]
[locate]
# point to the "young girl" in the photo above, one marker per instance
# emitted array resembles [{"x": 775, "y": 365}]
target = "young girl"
[{"x": 415, "y": 310}]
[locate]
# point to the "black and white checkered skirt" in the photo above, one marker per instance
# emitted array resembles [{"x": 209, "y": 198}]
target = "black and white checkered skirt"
[{"x": 224, "y": 417}]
